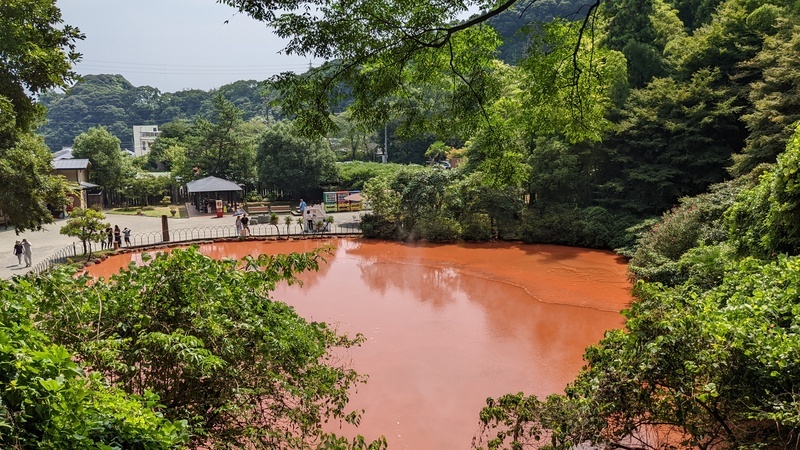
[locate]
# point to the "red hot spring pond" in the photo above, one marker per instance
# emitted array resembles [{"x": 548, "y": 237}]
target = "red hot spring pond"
[{"x": 448, "y": 325}]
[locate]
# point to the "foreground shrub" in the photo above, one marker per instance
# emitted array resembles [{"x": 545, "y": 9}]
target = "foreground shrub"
[
  {"x": 46, "y": 400},
  {"x": 244, "y": 370},
  {"x": 764, "y": 220}
]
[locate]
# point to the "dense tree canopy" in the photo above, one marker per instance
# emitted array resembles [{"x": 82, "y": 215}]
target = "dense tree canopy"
[
  {"x": 36, "y": 54},
  {"x": 292, "y": 164},
  {"x": 110, "y": 168}
]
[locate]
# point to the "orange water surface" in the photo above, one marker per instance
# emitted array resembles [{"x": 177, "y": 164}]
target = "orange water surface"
[{"x": 449, "y": 325}]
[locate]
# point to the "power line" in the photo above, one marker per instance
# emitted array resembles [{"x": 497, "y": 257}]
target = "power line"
[
  {"x": 129, "y": 63},
  {"x": 189, "y": 69}
]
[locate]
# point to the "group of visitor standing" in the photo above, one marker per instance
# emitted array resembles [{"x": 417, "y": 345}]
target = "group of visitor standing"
[
  {"x": 115, "y": 235},
  {"x": 22, "y": 250}
]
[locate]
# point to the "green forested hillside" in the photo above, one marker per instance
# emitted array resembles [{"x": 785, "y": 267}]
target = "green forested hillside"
[{"x": 112, "y": 101}]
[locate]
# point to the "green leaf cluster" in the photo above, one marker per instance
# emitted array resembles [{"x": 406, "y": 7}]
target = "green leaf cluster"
[
  {"x": 206, "y": 337},
  {"x": 763, "y": 222},
  {"x": 296, "y": 165},
  {"x": 37, "y": 53},
  {"x": 47, "y": 400}
]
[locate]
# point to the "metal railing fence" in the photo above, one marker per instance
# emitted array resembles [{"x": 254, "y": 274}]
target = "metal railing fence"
[
  {"x": 59, "y": 257},
  {"x": 179, "y": 235}
]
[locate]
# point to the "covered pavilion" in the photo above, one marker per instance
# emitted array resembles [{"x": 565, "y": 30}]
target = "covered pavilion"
[{"x": 206, "y": 191}]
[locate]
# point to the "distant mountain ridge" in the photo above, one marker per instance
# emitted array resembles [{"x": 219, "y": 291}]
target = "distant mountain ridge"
[{"x": 112, "y": 101}]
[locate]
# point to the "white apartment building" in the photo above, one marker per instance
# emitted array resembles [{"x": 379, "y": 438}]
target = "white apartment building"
[{"x": 143, "y": 138}]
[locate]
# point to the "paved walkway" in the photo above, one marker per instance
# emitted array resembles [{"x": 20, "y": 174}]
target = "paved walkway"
[{"x": 49, "y": 241}]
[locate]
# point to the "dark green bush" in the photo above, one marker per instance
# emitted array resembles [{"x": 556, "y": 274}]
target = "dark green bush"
[
  {"x": 592, "y": 227},
  {"x": 554, "y": 226},
  {"x": 476, "y": 227},
  {"x": 437, "y": 228},
  {"x": 376, "y": 227},
  {"x": 604, "y": 229}
]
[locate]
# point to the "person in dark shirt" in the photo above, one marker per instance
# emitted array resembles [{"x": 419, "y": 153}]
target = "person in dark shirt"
[
  {"x": 245, "y": 225},
  {"x": 117, "y": 236}
]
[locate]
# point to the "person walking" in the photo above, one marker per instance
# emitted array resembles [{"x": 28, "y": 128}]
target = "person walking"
[
  {"x": 26, "y": 251},
  {"x": 18, "y": 252},
  {"x": 126, "y": 232}
]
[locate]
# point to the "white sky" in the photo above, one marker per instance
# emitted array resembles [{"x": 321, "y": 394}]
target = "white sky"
[{"x": 174, "y": 45}]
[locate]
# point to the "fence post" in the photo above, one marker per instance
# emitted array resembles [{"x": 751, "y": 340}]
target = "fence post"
[{"x": 164, "y": 228}]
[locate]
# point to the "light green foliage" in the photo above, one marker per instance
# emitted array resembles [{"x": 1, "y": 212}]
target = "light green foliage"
[
  {"x": 355, "y": 175},
  {"x": 718, "y": 369},
  {"x": 86, "y": 225},
  {"x": 566, "y": 93},
  {"x": 204, "y": 335},
  {"x": 437, "y": 151},
  {"x": 176, "y": 159},
  {"x": 47, "y": 401},
  {"x": 553, "y": 94},
  {"x": 293, "y": 164},
  {"x": 499, "y": 154},
  {"x": 383, "y": 221},
  {"x": 409, "y": 197},
  {"x": 170, "y": 149},
  {"x": 144, "y": 185},
  {"x": 392, "y": 54},
  {"x": 763, "y": 221}
]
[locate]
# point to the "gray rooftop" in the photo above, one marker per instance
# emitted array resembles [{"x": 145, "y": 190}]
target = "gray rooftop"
[
  {"x": 211, "y": 184},
  {"x": 71, "y": 164}
]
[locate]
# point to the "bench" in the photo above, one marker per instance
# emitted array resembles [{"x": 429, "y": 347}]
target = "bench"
[
  {"x": 280, "y": 208},
  {"x": 257, "y": 209}
]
